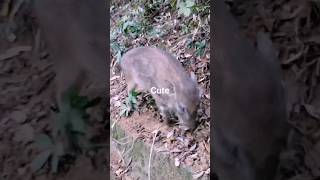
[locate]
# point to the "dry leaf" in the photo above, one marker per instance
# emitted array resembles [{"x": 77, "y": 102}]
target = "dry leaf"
[
  {"x": 24, "y": 134},
  {"x": 175, "y": 150},
  {"x": 19, "y": 116},
  {"x": 192, "y": 148},
  {"x": 194, "y": 156},
  {"x": 170, "y": 134},
  {"x": 119, "y": 172},
  {"x": 198, "y": 175},
  {"x": 12, "y": 52},
  {"x": 207, "y": 171},
  {"x": 312, "y": 111},
  {"x": 176, "y": 162},
  {"x": 114, "y": 78}
]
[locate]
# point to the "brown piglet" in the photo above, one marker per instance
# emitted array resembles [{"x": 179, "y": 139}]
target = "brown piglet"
[{"x": 153, "y": 70}]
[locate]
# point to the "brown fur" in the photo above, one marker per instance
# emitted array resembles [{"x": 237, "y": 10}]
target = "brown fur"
[{"x": 147, "y": 67}]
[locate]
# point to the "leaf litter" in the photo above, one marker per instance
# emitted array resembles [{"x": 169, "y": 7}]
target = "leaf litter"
[
  {"x": 294, "y": 30},
  {"x": 160, "y": 24},
  {"x": 27, "y": 104}
]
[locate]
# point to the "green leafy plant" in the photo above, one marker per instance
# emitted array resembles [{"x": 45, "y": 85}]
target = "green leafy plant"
[
  {"x": 185, "y": 7},
  {"x": 51, "y": 152},
  {"x": 152, "y": 7},
  {"x": 173, "y": 4},
  {"x": 200, "y": 48},
  {"x": 203, "y": 9},
  {"x": 68, "y": 135},
  {"x": 131, "y": 28},
  {"x": 130, "y": 104}
]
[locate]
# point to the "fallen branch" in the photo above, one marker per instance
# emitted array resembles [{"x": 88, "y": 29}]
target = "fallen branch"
[{"x": 154, "y": 139}]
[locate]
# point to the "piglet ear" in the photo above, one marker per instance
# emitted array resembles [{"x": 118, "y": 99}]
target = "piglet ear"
[{"x": 193, "y": 77}]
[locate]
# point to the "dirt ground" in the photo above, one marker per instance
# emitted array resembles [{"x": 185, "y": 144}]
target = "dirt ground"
[
  {"x": 27, "y": 88},
  {"x": 190, "y": 150},
  {"x": 27, "y": 105},
  {"x": 294, "y": 29}
]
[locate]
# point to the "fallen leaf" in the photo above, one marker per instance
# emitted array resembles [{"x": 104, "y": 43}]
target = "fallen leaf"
[
  {"x": 175, "y": 151},
  {"x": 176, "y": 162},
  {"x": 12, "y": 52},
  {"x": 114, "y": 78},
  {"x": 19, "y": 116},
  {"x": 119, "y": 171},
  {"x": 117, "y": 104},
  {"x": 192, "y": 148},
  {"x": 194, "y": 156},
  {"x": 198, "y": 175},
  {"x": 312, "y": 111},
  {"x": 295, "y": 57},
  {"x": 207, "y": 171},
  {"x": 170, "y": 134},
  {"x": 24, "y": 134}
]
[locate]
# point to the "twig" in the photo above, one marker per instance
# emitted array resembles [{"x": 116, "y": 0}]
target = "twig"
[
  {"x": 196, "y": 30},
  {"x": 114, "y": 123},
  {"x": 182, "y": 37},
  {"x": 123, "y": 154},
  {"x": 154, "y": 138},
  {"x": 122, "y": 143},
  {"x": 15, "y": 9},
  {"x": 15, "y": 51},
  {"x": 121, "y": 139},
  {"x": 120, "y": 154}
]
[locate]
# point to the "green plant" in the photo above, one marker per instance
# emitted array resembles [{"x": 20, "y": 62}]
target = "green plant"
[
  {"x": 132, "y": 28},
  {"x": 185, "y": 7},
  {"x": 200, "y": 48},
  {"x": 203, "y": 9},
  {"x": 68, "y": 135},
  {"x": 173, "y": 4},
  {"x": 51, "y": 152},
  {"x": 152, "y": 7},
  {"x": 130, "y": 104},
  {"x": 117, "y": 50}
]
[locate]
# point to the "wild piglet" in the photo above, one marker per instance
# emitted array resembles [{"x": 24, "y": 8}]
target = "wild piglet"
[{"x": 156, "y": 71}]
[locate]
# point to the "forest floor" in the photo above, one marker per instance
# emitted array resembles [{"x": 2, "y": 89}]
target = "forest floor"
[
  {"x": 186, "y": 36},
  {"x": 27, "y": 104},
  {"x": 294, "y": 28}
]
